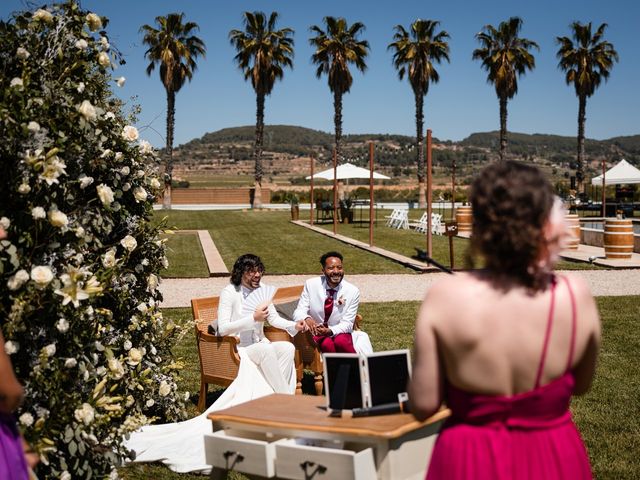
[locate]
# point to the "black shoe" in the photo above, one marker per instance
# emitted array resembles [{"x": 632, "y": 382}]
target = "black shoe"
[{"x": 211, "y": 330}]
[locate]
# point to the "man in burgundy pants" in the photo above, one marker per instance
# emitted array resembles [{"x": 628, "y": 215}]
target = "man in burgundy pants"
[{"x": 328, "y": 305}]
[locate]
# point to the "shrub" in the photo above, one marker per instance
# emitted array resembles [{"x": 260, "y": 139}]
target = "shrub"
[{"x": 79, "y": 272}]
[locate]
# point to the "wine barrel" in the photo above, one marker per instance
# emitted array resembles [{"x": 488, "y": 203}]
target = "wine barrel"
[
  {"x": 573, "y": 227},
  {"x": 618, "y": 238},
  {"x": 464, "y": 218}
]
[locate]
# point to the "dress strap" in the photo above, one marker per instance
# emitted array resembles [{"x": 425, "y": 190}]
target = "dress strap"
[
  {"x": 573, "y": 324},
  {"x": 547, "y": 333}
]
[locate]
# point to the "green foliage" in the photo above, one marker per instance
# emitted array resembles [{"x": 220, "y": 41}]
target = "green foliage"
[{"x": 79, "y": 272}]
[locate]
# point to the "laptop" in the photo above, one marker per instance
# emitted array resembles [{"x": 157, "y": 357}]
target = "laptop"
[{"x": 355, "y": 381}]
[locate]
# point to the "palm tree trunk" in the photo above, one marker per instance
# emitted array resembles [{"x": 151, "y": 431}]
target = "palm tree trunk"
[
  {"x": 503, "y": 127},
  {"x": 168, "y": 172},
  {"x": 257, "y": 151},
  {"x": 582, "y": 112},
  {"x": 337, "y": 121},
  {"x": 422, "y": 195}
]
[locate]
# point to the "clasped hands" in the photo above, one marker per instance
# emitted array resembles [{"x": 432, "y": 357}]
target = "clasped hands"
[{"x": 262, "y": 314}]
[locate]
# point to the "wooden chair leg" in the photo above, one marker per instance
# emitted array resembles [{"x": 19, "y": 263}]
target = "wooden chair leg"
[
  {"x": 202, "y": 401},
  {"x": 318, "y": 382},
  {"x": 299, "y": 375}
]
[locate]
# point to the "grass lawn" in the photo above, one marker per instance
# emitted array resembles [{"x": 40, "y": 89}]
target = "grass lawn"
[
  {"x": 186, "y": 259},
  {"x": 608, "y": 416},
  {"x": 288, "y": 249}
]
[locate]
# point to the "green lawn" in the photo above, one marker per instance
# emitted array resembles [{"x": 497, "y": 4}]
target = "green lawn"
[
  {"x": 608, "y": 416},
  {"x": 186, "y": 259}
]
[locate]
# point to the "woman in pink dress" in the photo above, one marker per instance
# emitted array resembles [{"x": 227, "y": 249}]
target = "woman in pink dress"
[{"x": 507, "y": 346}]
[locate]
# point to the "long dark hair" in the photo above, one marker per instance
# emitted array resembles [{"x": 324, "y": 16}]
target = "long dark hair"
[
  {"x": 511, "y": 203},
  {"x": 245, "y": 263}
]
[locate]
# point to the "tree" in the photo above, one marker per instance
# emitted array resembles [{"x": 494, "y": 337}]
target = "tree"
[
  {"x": 505, "y": 56},
  {"x": 414, "y": 55},
  {"x": 174, "y": 47},
  {"x": 79, "y": 298},
  {"x": 586, "y": 62},
  {"x": 263, "y": 53},
  {"x": 336, "y": 48}
]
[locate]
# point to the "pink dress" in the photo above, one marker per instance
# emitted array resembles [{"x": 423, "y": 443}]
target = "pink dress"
[{"x": 529, "y": 435}]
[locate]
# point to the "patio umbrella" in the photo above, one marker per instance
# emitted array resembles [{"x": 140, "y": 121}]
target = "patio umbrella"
[{"x": 346, "y": 171}]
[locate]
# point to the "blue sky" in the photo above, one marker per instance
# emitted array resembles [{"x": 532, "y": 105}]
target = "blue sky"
[{"x": 461, "y": 104}]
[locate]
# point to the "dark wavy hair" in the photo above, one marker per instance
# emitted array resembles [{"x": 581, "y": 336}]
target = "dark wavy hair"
[
  {"x": 245, "y": 263},
  {"x": 511, "y": 203},
  {"x": 323, "y": 258}
]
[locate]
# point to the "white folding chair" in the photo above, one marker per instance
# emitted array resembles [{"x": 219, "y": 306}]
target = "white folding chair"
[
  {"x": 436, "y": 224},
  {"x": 420, "y": 225},
  {"x": 391, "y": 219}
]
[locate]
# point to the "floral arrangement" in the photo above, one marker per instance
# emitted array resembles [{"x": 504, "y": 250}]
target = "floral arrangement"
[{"x": 79, "y": 272}]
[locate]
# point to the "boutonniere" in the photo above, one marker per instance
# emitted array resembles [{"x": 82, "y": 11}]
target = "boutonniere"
[{"x": 341, "y": 300}]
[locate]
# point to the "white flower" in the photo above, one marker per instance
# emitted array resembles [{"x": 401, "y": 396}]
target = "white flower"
[
  {"x": 11, "y": 347},
  {"x": 109, "y": 258},
  {"x": 65, "y": 476},
  {"x": 49, "y": 350},
  {"x": 116, "y": 368},
  {"x": 140, "y": 194},
  {"x": 150, "y": 403},
  {"x": 103, "y": 59},
  {"x": 5, "y": 222},
  {"x": 105, "y": 194},
  {"x": 38, "y": 213},
  {"x": 127, "y": 345},
  {"x": 113, "y": 475},
  {"x": 142, "y": 307},
  {"x": 165, "y": 262},
  {"x": 85, "y": 414},
  {"x": 129, "y": 243},
  {"x": 87, "y": 110},
  {"x": 16, "y": 82},
  {"x": 58, "y": 218},
  {"x": 106, "y": 153},
  {"x": 70, "y": 362},
  {"x": 105, "y": 43},
  {"x": 93, "y": 21},
  {"x": 126, "y": 187},
  {"x": 125, "y": 170},
  {"x": 79, "y": 232},
  {"x": 26, "y": 419},
  {"x": 80, "y": 87},
  {"x": 22, "y": 53},
  {"x": 43, "y": 15},
  {"x": 119, "y": 156},
  {"x": 164, "y": 389},
  {"x": 154, "y": 183},
  {"x": 145, "y": 147},
  {"x": 33, "y": 127},
  {"x": 120, "y": 81},
  {"x": 109, "y": 116},
  {"x": 41, "y": 275},
  {"x": 135, "y": 357},
  {"x": 18, "y": 279},
  {"x": 53, "y": 168},
  {"x": 140, "y": 173},
  {"x": 62, "y": 325},
  {"x": 76, "y": 288},
  {"x": 85, "y": 181},
  {"x": 24, "y": 188},
  {"x": 130, "y": 133},
  {"x": 81, "y": 45},
  {"x": 152, "y": 282}
]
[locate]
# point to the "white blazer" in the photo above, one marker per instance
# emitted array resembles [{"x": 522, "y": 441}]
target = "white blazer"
[
  {"x": 232, "y": 321},
  {"x": 345, "y": 305}
]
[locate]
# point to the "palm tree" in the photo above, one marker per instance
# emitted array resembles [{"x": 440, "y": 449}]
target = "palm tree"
[
  {"x": 263, "y": 52},
  {"x": 174, "y": 47},
  {"x": 336, "y": 48},
  {"x": 586, "y": 62},
  {"x": 504, "y": 56},
  {"x": 414, "y": 55}
]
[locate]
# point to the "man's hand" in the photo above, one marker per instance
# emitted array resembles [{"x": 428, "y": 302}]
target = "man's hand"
[
  {"x": 301, "y": 326},
  {"x": 261, "y": 313},
  {"x": 322, "y": 331},
  {"x": 311, "y": 325}
]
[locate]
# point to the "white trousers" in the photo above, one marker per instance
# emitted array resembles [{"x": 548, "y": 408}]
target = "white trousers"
[{"x": 276, "y": 362}]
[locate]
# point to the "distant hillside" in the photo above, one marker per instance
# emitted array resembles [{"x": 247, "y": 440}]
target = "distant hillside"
[{"x": 233, "y": 146}]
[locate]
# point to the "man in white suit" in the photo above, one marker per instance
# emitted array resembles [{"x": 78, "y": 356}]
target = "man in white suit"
[
  {"x": 328, "y": 307},
  {"x": 274, "y": 360}
]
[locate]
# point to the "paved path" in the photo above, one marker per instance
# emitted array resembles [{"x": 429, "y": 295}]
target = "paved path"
[{"x": 386, "y": 288}]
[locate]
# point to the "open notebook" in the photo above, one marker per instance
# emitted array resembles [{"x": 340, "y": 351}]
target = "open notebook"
[{"x": 356, "y": 381}]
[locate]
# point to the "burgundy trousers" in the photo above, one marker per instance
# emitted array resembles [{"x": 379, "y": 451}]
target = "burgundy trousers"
[{"x": 340, "y": 343}]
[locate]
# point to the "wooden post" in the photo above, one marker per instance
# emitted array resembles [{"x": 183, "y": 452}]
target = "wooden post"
[
  {"x": 335, "y": 192},
  {"x": 604, "y": 195},
  {"x": 311, "y": 197},
  {"x": 453, "y": 190},
  {"x": 371, "y": 194},
  {"x": 429, "y": 195}
]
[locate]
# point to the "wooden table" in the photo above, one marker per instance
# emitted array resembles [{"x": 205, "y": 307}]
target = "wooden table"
[{"x": 393, "y": 447}]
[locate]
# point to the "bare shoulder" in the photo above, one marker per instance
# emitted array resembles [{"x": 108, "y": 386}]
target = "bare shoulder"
[
  {"x": 585, "y": 303},
  {"x": 453, "y": 287}
]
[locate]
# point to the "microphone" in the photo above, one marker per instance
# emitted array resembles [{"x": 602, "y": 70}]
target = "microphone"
[{"x": 382, "y": 409}]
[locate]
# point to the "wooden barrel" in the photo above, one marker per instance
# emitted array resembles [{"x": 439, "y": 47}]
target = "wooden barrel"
[
  {"x": 464, "y": 218},
  {"x": 618, "y": 238},
  {"x": 573, "y": 228}
]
